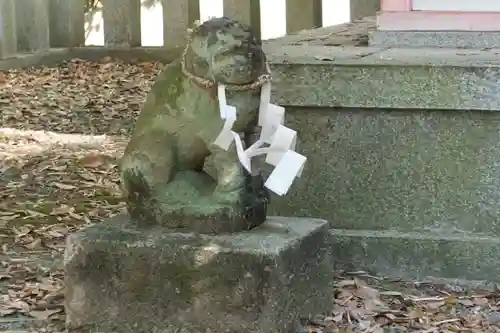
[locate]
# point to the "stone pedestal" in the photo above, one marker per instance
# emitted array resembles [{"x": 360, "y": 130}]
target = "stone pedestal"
[{"x": 123, "y": 279}]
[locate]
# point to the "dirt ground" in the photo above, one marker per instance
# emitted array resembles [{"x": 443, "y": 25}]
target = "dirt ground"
[{"x": 62, "y": 131}]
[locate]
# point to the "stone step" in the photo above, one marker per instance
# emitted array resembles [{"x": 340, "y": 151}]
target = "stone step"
[
  {"x": 441, "y": 39},
  {"x": 419, "y": 254},
  {"x": 378, "y": 77}
]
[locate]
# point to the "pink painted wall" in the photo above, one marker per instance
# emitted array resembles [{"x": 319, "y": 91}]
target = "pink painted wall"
[
  {"x": 395, "y": 5},
  {"x": 398, "y": 15}
]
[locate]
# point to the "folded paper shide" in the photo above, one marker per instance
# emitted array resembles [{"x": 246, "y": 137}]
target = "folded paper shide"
[{"x": 276, "y": 141}]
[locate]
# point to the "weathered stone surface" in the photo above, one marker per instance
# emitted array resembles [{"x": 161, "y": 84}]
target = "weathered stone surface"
[
  {"x": 407, "y": 193},
  {"x": 398, "y": 170},
  {"x": 247, "y": 12},
  {"x": 8, "y": 39},
  {"x": 363, "y": 8},
  {"x": 32, "y": 21},
  {"x": 122, "y": 279},
  {"x": 348, "y": 34},
  {"x": 303, "y": 14},
  {"x": 364, "y": 77},
  {"x": 178, "y": 16},
  {"x": 122, "y": 22},
  {"x": 419, "y": 255},
  {"x": 67, "y": 26},
  {"x": 441, "y": 39},
  {"x": 162, "y": 169}
]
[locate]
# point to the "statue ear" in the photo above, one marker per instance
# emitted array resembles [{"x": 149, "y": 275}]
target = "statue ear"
[
  {"x": 199, "y": 57},
  {"x": 194, "y": 26},
  {"x": 199, "y": 48}
]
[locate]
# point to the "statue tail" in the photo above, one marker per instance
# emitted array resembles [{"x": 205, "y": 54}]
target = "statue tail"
[{"x": 141, "y": 205}]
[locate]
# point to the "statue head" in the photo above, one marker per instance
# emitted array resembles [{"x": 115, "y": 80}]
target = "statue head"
[{"x": 225, "y": 51}]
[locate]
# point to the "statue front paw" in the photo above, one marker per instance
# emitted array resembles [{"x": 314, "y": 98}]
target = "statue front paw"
[{"x": 234, "y": 197}]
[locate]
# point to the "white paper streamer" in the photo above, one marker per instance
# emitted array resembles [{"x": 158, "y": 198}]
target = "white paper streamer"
[
  {"x": 265, "y": 98},
  {"x": 273, "y": 119},
  {"x": 225, "y": 137},
  {"x": 281, "y": 139},
  {"x": 245, "y": 160},
  {"x": 221, "y": 96},
  {"x": 285, "y": 172}
]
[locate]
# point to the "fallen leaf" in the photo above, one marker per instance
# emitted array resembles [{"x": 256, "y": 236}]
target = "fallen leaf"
[
  {"x": 22, "y": 231},
  {"x": 94, "y": 160},
  {"x": 64, "y": 186},
  {"x": 465, "y": 302},
  {"x": 17, "y": 305},
  {"x": 346, "y": 283},
  {"x": 390, "y": 293},
  {"x": 7, "y": 311},
  {"x": 451, "y": 300},
  {"x": 43, "y": 315},
  {"x": 366, "y": 292},
  {"x": 37, "y": 243},
  {"x": 480, "y": 301},
  {"x": 434, "y": 305},
  {"x": 7, "y": 216},
  {"x": 62, "y": 210}
]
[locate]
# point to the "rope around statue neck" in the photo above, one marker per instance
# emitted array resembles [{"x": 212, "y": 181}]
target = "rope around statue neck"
[{"x": 263, "y": 78}]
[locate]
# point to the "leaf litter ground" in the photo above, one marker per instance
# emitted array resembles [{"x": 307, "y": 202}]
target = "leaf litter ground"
[{"x": 63, "y": 130}]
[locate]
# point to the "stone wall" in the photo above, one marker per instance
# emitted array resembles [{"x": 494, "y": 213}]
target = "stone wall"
[
  {"x": 403, "y": 150},
  {"x": 404, "y": 170},
  {"x": 408, "y": 193}
]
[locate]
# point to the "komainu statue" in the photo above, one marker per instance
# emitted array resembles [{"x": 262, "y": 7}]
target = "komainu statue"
[{"x": 162, "y": 169}]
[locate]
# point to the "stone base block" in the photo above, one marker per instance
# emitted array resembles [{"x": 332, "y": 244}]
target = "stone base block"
[{"x": 123, "y": 279}]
